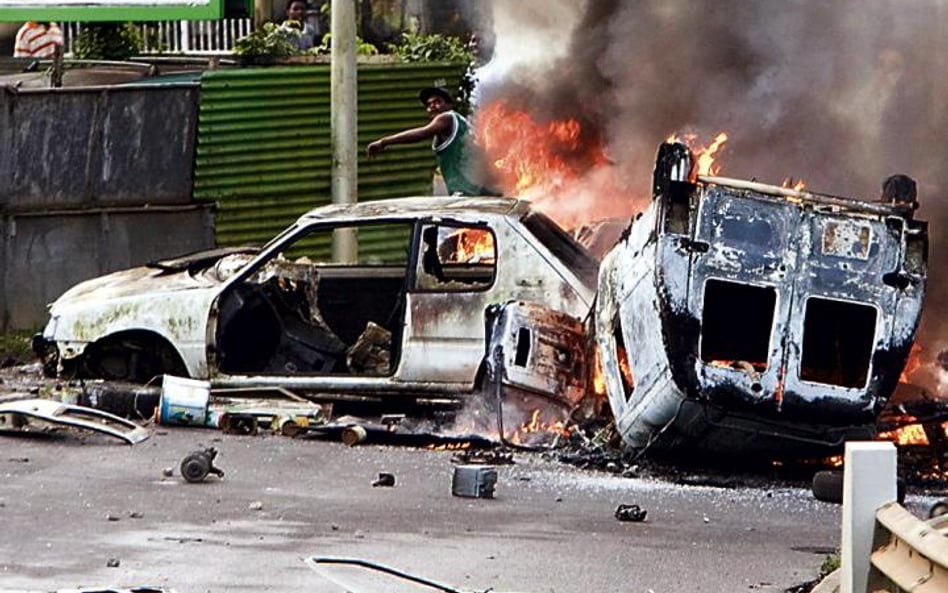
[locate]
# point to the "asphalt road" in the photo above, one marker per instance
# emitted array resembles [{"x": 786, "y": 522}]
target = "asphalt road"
[{"x": 69, "y": 505}]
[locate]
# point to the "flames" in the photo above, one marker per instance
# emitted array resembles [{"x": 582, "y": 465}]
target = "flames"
[
  {"x": 536, "y": 426},
  {"x": 531, "y": 157},
  {"x": 912, "y": 434},
  {"x": 913, "y": 363},
  {"x": 472, "y": 246}
]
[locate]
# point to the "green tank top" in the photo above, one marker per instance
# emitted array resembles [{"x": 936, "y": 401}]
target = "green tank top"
[{"x": 455, "y": 158}]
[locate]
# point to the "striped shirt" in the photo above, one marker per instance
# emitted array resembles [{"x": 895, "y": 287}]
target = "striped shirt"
[{"x": 37, "y": 40}]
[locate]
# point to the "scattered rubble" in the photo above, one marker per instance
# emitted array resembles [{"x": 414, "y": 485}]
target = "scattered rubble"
[
  {"x": 630, "y": 512},
  {"x": 198, "y": 464}
]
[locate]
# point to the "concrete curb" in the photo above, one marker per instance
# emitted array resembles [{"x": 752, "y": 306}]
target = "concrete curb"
[{"x": 830, "y": 584}]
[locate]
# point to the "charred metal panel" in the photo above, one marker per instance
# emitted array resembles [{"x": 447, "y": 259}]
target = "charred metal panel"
[
  {"x": 106, "y": 146},
  {"x": 44, "y": 254},
  {"x": 774, "y": 319},
  {"x": 540, "y": 350}
]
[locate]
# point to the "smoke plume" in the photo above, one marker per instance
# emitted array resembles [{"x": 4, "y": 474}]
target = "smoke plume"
[{"x": 838, "y": 94}]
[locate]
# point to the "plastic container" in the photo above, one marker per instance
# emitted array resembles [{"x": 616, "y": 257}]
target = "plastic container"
[{"x": 183, "y": 401}]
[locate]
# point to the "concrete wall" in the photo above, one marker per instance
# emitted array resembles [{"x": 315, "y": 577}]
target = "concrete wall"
[{"x": 93, "y": 180}]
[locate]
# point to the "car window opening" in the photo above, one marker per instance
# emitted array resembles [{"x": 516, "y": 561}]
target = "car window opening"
[
  {"x": 837, "y": 342},
  {"x": 736, "y": 324},
  {"x": 523, "y": 347},
  {"x": 311, "y": 315},
  {"x": 625, "y": 369},
  {"x": 456, "y": 258}
]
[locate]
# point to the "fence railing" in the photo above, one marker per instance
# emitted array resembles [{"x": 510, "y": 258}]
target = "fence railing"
[
  {"x": 909, "y": 555},
  {"x": 180, "y": 37},
  {"x": 885, "y": 548}
]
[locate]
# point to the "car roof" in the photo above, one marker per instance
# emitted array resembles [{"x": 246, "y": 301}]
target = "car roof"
[{"x": 416, "y": 207}]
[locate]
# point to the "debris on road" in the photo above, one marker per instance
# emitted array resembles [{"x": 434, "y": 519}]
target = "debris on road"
[
  {"x": 318, "y": 565},
  {"x": 385, "y": 479},
  {"x": 198, "y": 464},
  {"x": 474, "y": 481},
  {"x": 630, "y": 512},
  {"x": 14, "y": 415}
]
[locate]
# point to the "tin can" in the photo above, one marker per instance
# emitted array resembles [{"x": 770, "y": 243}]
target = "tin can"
[{"x": 474, "y": 481}]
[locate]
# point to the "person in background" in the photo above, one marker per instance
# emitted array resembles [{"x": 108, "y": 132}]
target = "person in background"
[
  {"x": 296, "y": 20},
  {"x": 451, "y": 139},
  {"x": 38, "y": 40}
]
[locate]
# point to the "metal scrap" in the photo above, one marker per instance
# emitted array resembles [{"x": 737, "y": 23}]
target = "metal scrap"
[{"x": 14, "y": 414}]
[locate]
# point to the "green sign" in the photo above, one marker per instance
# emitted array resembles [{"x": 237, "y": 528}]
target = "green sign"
[{"x": 109, "y": 10}]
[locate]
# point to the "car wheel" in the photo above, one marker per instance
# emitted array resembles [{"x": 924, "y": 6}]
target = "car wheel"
[
  {"x": 938, "y": 509},
  {"x": 133, "y": 360},
  {"x": 828, "y": 486}
]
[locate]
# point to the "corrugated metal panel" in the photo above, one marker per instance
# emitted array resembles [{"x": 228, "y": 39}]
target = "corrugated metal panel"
[{"x": 264, "y": 151}]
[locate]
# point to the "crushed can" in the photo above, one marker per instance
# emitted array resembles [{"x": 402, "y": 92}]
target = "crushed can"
[{"x": 474, "y": 481}]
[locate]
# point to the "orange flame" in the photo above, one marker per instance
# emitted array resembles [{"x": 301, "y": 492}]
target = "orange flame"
[
  {"x": 536, "y": 425},
  {"x": 531, "y": 156},
  {"x": 790, "y": 184},
  {"x": 913, "y": 363},
  {"x": 911, "y": 434},
  {"x": 473, "y": 246},
  {"x": 705, "y": 156}
]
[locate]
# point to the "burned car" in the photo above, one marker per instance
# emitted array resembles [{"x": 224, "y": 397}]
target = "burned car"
[
  {"x": 740, "y": 317},
  {"x": 407, "y": 317}
]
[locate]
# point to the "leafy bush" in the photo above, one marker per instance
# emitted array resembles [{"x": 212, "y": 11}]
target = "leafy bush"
[
  {"x": 108, "y": 41},
  {"x": 363, "y": 48},
  {"x": 417, "y": 47},
  {"x": 269, "y": 40}
]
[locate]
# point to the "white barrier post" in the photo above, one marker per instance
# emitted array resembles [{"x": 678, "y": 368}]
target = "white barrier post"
[{"x": 869, "y": 481}]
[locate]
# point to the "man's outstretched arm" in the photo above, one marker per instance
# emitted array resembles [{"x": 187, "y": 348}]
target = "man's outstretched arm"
[{"x": 439, "y": 126}]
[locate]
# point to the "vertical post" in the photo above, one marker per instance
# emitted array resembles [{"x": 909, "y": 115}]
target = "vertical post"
[
  {"x": 869, "y": 481},
  {"x": 262, "y": 12},
  {"x": 184, "y": 28},
  {"x": 344, "y": 122}
]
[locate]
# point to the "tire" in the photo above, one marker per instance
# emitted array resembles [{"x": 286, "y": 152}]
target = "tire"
[
  {"x": 828, "y": 486},
  {"x": 938, "y": 509}
]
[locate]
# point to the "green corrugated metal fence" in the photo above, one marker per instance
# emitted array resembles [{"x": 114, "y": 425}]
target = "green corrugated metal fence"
[{"x": 264, "y": 151}]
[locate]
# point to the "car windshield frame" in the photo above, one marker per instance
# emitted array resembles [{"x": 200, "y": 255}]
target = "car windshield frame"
[{"x": 562, "y": 246}]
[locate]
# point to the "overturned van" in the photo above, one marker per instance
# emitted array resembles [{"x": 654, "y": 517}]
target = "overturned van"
[{"x": 735, "y": 316}]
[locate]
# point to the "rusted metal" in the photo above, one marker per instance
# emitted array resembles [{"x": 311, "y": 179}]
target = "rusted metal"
[{"x": 757, "y": 318}]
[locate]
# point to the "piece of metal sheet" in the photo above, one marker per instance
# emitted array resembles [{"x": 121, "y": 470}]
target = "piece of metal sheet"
[{"x": 77, "y": 417}]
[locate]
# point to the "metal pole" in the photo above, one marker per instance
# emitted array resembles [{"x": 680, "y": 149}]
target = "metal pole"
[
  {"x": 262, "y": 12},
  {"x": 345, "y": 248}
]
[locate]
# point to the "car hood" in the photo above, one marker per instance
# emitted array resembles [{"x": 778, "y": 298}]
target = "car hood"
[{"x": 151, "y": 280}]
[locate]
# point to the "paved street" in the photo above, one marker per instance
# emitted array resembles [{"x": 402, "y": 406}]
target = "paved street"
[{"x": 69, "y": 505}]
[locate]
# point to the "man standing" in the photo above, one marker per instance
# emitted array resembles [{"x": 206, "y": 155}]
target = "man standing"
[
  {"x": 38, "y": 40},
  {"x": 451, "y": 139}
]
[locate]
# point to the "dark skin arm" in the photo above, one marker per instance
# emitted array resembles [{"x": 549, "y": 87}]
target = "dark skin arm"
[{"x": 439, "y": 127}]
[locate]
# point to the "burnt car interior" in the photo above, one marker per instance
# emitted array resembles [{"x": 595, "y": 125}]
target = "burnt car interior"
[
  {"x": 837, "y": 342},
  {"x": 736, "y": 324},
  {"x": 837, "y": 336},
  {"x": 301, "y": 313}
]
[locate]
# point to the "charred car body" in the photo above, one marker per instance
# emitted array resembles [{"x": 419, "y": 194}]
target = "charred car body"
[
  {"x": 735, "y": 316},
  {"x": 407, "y": 319}
]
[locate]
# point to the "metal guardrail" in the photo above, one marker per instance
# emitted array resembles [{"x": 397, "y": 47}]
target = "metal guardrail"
[
  {"x": 180, "y": 37},
  {"x": 909, "y": 555}
]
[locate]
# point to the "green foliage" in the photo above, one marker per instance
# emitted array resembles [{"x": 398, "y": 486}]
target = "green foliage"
[
  {"x": 15, "y": 347},
  {"x": 269, "y": 40},
  {"x": 830, "y": 563},
  {"x": 417, "y": 47},
  {"x": 363, "y": 48},
  {"x": 108, "y": 41}
]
